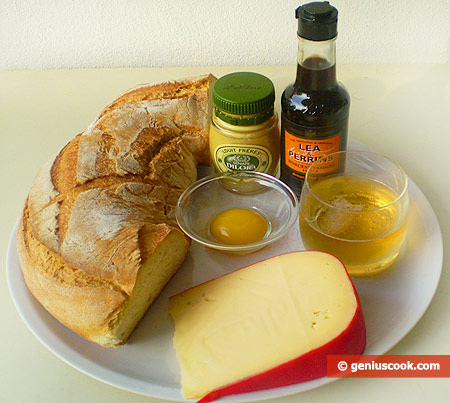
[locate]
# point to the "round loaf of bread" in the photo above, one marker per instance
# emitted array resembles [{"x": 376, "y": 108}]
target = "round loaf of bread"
[{"x": 98, "y": 239}]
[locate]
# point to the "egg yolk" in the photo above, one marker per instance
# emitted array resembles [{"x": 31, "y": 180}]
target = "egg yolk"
[{"x": 238, "y": 226}]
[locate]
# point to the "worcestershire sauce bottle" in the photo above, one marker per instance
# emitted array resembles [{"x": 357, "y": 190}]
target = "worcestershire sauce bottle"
[{"x": 315, "y": 108}]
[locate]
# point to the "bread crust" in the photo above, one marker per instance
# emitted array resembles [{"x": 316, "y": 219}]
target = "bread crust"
[{"x": 104, "y": 205}]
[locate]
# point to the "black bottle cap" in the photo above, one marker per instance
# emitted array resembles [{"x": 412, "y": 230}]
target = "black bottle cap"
[{"x": 317, "y": 21}]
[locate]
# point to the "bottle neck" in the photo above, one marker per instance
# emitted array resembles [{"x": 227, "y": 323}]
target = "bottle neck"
[{"x": 316, "y": 67}]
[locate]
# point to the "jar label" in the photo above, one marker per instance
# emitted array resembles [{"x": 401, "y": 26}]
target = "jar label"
[
  {"x": 300, "y": 153},
  {"x": 242, "y": 158}
]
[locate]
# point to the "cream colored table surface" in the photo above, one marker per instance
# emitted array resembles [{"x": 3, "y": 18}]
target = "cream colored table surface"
[{"x": 401, "y": 111}]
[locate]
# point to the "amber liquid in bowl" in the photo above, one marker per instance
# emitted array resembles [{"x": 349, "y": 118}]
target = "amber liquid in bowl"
[{"x": 359, "y": 220}]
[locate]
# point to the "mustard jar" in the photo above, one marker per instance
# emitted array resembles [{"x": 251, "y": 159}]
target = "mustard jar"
[{"x": 244, "y": 134}]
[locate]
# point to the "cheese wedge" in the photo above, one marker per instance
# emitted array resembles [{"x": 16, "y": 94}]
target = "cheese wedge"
[{"x": 267, "y": 325}]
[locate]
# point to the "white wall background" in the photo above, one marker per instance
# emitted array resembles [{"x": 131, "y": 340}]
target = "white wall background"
[{"x": 48, "y": 34}]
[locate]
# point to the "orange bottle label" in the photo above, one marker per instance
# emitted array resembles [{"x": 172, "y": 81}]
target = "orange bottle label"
[{"x": 300, "y": 153}]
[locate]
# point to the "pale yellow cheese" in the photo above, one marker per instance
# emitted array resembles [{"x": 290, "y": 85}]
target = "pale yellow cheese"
[{"x": 259, "y": 317}]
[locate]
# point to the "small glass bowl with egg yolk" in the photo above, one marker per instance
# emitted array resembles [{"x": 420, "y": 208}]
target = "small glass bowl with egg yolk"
[{"x": 237, "y": 212}]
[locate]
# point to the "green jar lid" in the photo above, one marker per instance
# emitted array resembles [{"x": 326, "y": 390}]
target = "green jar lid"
[{"x": 242, "y": 94}]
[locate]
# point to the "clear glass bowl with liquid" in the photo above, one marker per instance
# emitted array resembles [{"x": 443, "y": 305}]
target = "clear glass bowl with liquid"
[{"x": 358, "y": 213}]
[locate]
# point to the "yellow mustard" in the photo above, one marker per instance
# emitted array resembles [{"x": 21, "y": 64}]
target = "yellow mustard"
[{"x": 244, "y": 134}]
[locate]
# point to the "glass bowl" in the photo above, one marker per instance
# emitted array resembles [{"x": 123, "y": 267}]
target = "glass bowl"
[{"x": 201, "y": 202}]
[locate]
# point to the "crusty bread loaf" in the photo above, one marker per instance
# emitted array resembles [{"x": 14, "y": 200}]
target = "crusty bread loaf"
[{"x": 98, "y": 239}]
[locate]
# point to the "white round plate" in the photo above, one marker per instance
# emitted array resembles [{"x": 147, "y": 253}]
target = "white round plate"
[{"x": 392, "y": 302}]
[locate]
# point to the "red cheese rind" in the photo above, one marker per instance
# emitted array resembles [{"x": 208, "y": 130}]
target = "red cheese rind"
[{"x": 307, "y": 367}]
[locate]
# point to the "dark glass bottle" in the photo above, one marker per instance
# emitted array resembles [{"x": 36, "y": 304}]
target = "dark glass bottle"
[{"x": 315, "y": 108}]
